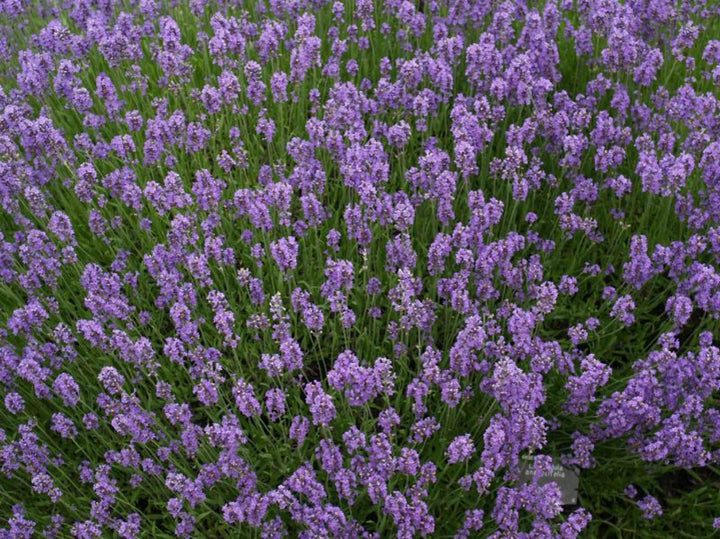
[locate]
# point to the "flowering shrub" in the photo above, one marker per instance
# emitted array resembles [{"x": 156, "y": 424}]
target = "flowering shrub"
[{"x": 315, "y": 269}]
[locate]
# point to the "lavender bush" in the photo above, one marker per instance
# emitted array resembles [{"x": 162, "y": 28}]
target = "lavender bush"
[{"x": 309, "y": 269}]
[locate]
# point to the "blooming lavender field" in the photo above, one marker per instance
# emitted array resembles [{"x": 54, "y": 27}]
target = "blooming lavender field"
[{"x": 296, "y": 268}]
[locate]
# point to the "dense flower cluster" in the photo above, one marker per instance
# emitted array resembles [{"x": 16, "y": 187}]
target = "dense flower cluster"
[{"x": 332, "y": 269}]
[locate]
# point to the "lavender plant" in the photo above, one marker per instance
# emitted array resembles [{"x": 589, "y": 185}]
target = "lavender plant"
[{"x": 302, "y": 268}]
